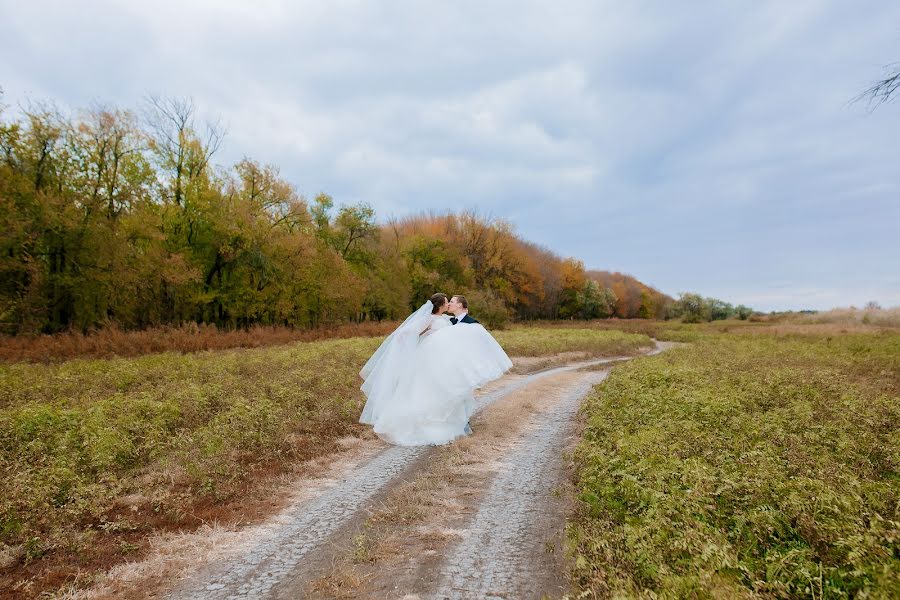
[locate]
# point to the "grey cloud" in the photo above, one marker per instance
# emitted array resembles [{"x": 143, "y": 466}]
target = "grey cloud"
[{"x": 701, "y": 146}]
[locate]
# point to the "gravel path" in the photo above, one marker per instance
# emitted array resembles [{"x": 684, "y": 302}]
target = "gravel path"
[
  {"x": 504, "y": 554},
  {"x": 296, "y": 532},
  {"x": 282, "y": 543}
]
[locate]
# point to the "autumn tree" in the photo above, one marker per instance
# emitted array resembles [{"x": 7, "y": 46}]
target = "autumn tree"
[
  {"x": 692, "y": 308},
  {"x": 596, "y": 302},
  {"x": 573, "y": 280},
  {"x": 180, "y": 151},
  {"x": 113, "y": 219}
]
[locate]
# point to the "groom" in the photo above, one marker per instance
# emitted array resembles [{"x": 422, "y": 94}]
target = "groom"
[{"x": 459, "y": 308}]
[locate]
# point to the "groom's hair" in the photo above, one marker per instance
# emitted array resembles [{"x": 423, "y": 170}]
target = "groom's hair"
[
  {"x": 438, "y": 301},
  {"x": 462, "y": 300}
]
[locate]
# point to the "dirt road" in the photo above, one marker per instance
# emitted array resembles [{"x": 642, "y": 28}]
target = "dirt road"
[{"x": 480, "y": 518}]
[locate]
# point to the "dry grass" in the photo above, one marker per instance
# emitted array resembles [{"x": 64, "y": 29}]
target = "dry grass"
[
  {"x": 173, "y": 555},
  {"x": 530, "y": 364},
  {"x": 114, "y": 342},
  {"x": 834, "y": 323},
  {"x": 534, "y": 341},
  {"x": 754, "y": 466},
  {"x": 97, "y": 454},
  {"x": 880, "y": 317},
  {"x": 407, "y": 536}
]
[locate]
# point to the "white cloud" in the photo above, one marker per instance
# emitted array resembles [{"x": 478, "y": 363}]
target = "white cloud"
[{"x": 697, "y": 145}]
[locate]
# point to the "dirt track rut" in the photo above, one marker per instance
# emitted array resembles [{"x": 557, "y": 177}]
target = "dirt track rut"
[{"x": 501, "y": 550}]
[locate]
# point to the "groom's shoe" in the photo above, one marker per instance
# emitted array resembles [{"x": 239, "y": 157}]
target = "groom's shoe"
[{"x": 468, "y": 429}]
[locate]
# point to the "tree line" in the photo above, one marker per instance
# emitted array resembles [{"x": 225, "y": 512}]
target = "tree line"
[
  {"x": 111, "y": 217},
  {"x": 694, "y": 308}
]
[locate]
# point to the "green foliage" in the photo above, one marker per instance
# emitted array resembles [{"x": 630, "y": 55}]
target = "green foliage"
[
  {"x": 349, "y": 233},
  {"x": 176, "y": 428},
  {"x": 744, "y": 466},
  {"x": 693, "y": 308},
  {"x": 596, "y": 302},
  {"x": 647, "y": 309},
  {"x": 111, "y": 220},
  {"x": 74, "y": 436},
  {"x": 719, "y": 310},
  {"x": 490, "y": 309},
  {"x": 434, "y": 265},
  {"x": 742, "y": 312}
]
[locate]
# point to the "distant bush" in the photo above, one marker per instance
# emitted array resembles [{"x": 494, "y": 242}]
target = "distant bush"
[{"x": 694, "y": 308}]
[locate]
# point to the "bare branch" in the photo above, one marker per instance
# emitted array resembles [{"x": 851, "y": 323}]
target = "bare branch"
[{"x": 882, "y": 91}]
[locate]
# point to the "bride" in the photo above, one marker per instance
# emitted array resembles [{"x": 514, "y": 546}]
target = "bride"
[{"x": 419, "y": 384}]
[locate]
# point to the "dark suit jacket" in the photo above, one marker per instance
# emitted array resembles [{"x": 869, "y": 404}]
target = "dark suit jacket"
[{"x": 466, "y": 319}]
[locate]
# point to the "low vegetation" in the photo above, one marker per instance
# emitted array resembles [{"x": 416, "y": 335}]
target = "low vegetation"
[
  {"x": 95, "y": 454},
  {"x": 544, "y": 342},
  {"x": 763, "y": 462},
  {"x": 872, "y": 314},
  {"x": 694, "y": 308},
  {"x": 112, "y": 342}
]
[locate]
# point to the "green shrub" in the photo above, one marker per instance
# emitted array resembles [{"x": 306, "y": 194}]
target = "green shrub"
[
  {"x": 489, "y": 308},
  {"x": 179, "y": 428},
  {"x": 750, "y": 466}
]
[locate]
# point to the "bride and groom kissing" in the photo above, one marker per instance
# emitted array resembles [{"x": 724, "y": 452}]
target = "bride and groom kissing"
[
  {"x": 412, "y": 397},
  {"x": 458, "y": 306}
]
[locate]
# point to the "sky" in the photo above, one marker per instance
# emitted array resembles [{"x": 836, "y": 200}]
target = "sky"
[{"x": 710, "y": 147}]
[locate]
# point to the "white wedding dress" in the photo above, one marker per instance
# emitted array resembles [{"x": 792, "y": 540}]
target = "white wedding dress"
[{"x": 420, "y": 382}]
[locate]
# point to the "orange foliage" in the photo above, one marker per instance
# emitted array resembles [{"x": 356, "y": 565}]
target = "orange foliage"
[
  {"x": 631, "y": 295},
  {"x": 124, "y": 222}
]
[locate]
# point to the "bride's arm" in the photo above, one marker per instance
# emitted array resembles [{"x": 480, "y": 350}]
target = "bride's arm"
[{"x": 427, "y": 329}]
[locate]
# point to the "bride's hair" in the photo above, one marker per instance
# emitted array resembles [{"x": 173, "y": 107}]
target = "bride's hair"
[{"x": 438, "y": 300}]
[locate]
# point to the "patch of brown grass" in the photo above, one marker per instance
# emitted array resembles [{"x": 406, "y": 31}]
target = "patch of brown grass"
[
  {"x": 97, "y": 455},
  {"x": 112, "y": 342},
  {"x": 880, "y": 317}
]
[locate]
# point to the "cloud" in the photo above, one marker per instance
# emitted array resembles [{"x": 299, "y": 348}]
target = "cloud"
[{"x": 707, "y": 147}]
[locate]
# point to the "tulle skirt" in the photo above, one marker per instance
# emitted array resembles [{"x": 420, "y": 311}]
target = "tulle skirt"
[{"x": 434, "y": 397}]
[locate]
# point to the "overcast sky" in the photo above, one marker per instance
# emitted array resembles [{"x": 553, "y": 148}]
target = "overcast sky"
[{"x": 700, "y": 146}]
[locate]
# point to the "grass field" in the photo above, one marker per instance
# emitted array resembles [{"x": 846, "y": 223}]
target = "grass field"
[
  {"x": 761, "y": 459},
  {"x": 544, "y": 341},
  {"x": 763, "y": 462},
  {"x": 95, "y": 454}
]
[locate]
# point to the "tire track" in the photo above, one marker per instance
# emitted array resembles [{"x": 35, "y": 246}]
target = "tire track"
[
  {"x": 504, "y": 552},
  {"x": 284, "y": 543}
]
